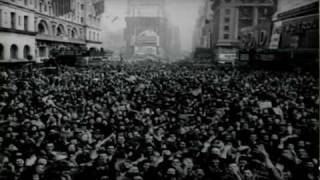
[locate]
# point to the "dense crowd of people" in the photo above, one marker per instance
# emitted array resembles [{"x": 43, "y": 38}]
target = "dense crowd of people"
[{"x": 152, "y": 121}]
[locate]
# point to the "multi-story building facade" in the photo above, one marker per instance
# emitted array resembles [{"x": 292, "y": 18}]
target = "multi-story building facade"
[
  {"x": 30, "y": 29},
  {"x": 148, "y": 30},
  {"x": 230, "y": 17}
]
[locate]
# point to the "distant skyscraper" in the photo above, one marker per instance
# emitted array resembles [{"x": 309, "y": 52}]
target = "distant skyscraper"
[{"x": 146, "y": 31}]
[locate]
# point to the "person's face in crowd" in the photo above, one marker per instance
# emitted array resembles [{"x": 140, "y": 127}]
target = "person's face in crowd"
[
  {"x": 287, "y": 175},
  {"x": 274, "y": 137},
  {"x": 302, "y": 153},
  {"x": 301, "y": 144},
  {"x": 233, "y": 167},
  {"x": 248, "y": 175},
  {"x": 176, "y": 162},
  {"x": 215, "y": 162},
  {"x": 253, "y": 137},
  {"x": 50, "y": 147},
  {"x": 40, "y": 168},
  {"x": 199, "y": 173},
  {"x": 72, "y": 148},
  {"x": 110, "y": 150},
  {"x": 121, "y": 139},
  {"x": 171, "y": 172},
  {"x": 286, "y": 153},
  {"x": 245, "y": 126},
  {"x": 148, "y": 139},
  {"x": 136, "y": 134},
  {"x": 91, "y": 121},
  {"x": 146, "y": 166},
  {"x": 149, "y": 150},
  {"x": 290, "y": 146},
  {"x": 20, "y": 162},
  {"x": 103, "y": 157},
  {"x": 74, "y": 141},
  {"x": 164, "y": 146},
  {"x": 314, "y": 123},
  {"x": 84, "y": 138},
  {"x": 182, "y": 145}
]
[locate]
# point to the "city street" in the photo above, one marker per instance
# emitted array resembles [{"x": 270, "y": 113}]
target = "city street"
[{"x": 159, "y": 90}]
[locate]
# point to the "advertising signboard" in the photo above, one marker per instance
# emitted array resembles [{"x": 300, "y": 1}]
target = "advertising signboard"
[
  {"x": 255, "y": 36},
  {"x": 275, "y": 36},
  {"x": 143, "y": 50}
]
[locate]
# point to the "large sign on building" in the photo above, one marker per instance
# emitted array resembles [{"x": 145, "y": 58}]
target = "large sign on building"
[
  {"x": 255, "y": 36},
  {"x": 147, "y": 42}
]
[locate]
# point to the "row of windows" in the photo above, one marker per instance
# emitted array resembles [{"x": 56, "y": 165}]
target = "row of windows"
[
  {"x": 14, "y": 51},
  {"x": 94, "y": 36},
  {"x": 226, "y": 27},
  {"x": 14, "y": 17}
]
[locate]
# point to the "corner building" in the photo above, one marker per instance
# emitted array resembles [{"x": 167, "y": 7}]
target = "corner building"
[
  {"x": 230, "y": 17},
  {"x": 30, "y": 29}
]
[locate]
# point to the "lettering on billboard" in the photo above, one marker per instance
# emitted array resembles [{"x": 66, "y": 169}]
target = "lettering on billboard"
[
  {"x": 254, "y": 37},
  {"x": 147, "y": 37},
  {"x": 146, "y": 50}
]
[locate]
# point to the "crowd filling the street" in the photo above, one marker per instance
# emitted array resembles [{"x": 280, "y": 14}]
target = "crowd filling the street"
[{"x": 153, "y": 121}]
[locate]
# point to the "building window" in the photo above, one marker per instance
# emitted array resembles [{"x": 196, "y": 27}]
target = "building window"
[
  {"x": 26, "y": 23},
  {"x": 82, "y": 6},
  {"x": 13, "y": 20},
  {"x": 26, "y": 2},
  {"x": 82, "y": 20},
  {"x": 45, "y": 8},
  {"x": 14, "y": 51},
  {"x": 26, "y": 51},
  {"x": 227, "y": 1},
  {"x": 60, "y": 30},
  {"x": 0, "y": 17},
  {"x": 19, "y": 20},
  {"x": 40, "y": 7},
  {"x": 228, "y": 11},
  {"x": 226, "y": 36},
  {"x": 226, "y": 28},
  {"x": 1, "y": 52},
  {"x": 50, "y": 10},
  {"x": 226, "y": 19},
  {"x": 42, "y": 51},
  {"x": 42, "y": 28}
]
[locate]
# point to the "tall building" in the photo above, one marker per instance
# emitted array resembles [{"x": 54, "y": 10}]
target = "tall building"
[
  {"x": 231, "y": 17},
  {"x": 146, "y": 30},
  {"x": 173, "y": 42},
  {"x": 30, "y": 29},
  {"x": 204, "y": 27}
]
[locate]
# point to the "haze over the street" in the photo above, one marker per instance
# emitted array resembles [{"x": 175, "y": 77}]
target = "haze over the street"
[{"x": 182, "y": 13}]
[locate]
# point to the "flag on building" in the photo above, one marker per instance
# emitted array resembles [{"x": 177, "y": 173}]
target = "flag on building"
[
  {"x": 61, "y": 7},
  {"x": 98, "y": 6}
]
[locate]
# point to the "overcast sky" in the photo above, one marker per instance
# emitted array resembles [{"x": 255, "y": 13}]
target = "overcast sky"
[{"x": 182, "y": 13}]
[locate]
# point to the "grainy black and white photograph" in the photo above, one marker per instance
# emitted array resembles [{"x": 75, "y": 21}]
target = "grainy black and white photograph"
[{"x": 159, "y": 90}]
